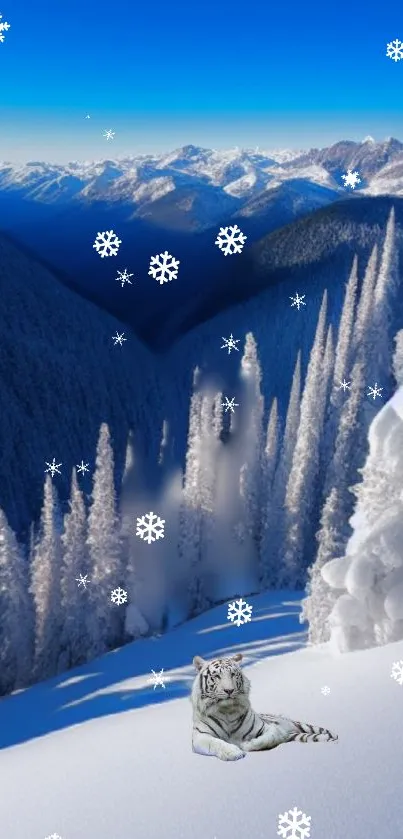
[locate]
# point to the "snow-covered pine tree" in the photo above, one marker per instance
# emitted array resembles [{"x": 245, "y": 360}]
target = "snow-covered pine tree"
[
  {"x": 251, "y": 441},
  {"x": 74, "y": 597},
  {"x": 190, "y": 517},
  {"x": 16, "y": 623},
  {"x": 299, "y": 500},
  {"x": 104, "y": 619},
  {"x": 45, "y": 585},
  {"x": 284, "y": 466},
  {"x": 267, "y": 574},
  {"x": 361, "y": 331},
  {"x": 385, "y": 291},
  {"x": 398, "y": 358}
]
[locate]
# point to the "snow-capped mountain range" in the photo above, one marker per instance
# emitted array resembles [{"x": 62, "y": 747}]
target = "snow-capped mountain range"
[{"x": 201, "y": 184}]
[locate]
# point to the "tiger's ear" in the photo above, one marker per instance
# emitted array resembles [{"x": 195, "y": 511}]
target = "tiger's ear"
[
  {"x": 199, "y": 662},
  {"x": 237, "y": 657}
]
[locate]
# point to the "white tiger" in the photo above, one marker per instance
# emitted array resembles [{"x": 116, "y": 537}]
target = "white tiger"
[{"x": 224, "y": 723}]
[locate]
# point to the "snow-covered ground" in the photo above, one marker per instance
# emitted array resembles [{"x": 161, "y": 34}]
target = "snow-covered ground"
[{"x": 100, "y": 754}]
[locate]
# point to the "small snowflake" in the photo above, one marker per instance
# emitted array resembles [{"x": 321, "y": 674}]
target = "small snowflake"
[
  {"x": 107, "y": 243},
  {"x": 119, "y": 596},
  {"x": 344, "y": 385},
  {"x": 82, "y": 467},
  {"x": 294, "y": 824},
  {"x": 123, "y": 277},
  {"x": 230, "y": 242},
  {"x": 375, "y": 391},
  {"x": 240, "y": 610},
  {"x": 4, "y": 27},
  {"x": 298, "y": 301},
  {"x": 82, "y": 581},
  {"x": 53, "y": 467},
  {"x": 229, "y": 404},
  {"x": 397, "y": 672},
  {"x": 394, "y": 50},
  {"x": 109, "y": 134},
  {"x": 157, "y": 679},
  {"x": 164, "y": 267},
  {"x": 118, "y": 339},
  {"x": 351, "y": 179},
  {"x": 230, "y": 343},
  {"x": 87, "y": 117},
  {"x": 325, "y": 690},
  {"x": 148, "y": 529}
]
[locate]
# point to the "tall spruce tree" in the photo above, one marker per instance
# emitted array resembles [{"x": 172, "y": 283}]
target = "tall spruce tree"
[
  {"x": 45, "y": 585},
  {"x": 16, "y": 625},
  {"x": 74, "y": 596},
  {"x": 104, "y": 618},
  {"x": 267, "y": 573}
]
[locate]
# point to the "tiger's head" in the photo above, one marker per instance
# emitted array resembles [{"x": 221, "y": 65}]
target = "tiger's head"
[{"x": 220, "y": 682}]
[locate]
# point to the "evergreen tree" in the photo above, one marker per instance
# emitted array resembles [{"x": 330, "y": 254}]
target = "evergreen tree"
[
  {"x": 252, "y": 440},
  {"x": 75, "y": 562},
  {"x": 104, "y": 623},
  {"x": 342, "y": 365},
  {"x": 16, "y": 627},
  {"x": 299, "y": 500},
  {"x": 269, "y": 514},
  {"x": 385, "y": 291},
  {"x": 362, "y": 339},
  {"x": 45, "y": 585},
  {"x": 190, "y": 517},
  {"x": 398, "y": 358}
]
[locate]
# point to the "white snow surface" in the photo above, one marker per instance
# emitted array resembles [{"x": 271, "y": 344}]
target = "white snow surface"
[{"x": 97, "y": 753}]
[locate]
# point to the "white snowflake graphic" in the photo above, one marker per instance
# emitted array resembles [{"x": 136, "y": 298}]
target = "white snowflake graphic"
[
  {"x": 119, "y": 596},
  {"x": 123, "y": 277},
  {"x": 82, "y": 467},
  {"x": 107, "y": 243},
  {"x": 157, "y": 679},
  {"x": 82, "y": 581},
  {"x": 375, "y": 391},
  {"x": 394, "y": 50},
  {"x": 294, "y": 824},
  {"x": 230, "y": 240},
  {"x": 53, "y": 467},
  {"x": 229, "y": 404},
  {"x": 230, "y": 343},
  {"x": 239, "y": 610},
  {"x": 298, "y": 301},
  {"x": 344, "y": 385},
  {"x": 118, "y": 338},
  {"x": 4, "y": 27},
  {"x": 109, "y": 134},
  {"x": 397, "y": 672},
  {"x": 325, "y": 690},
  {"x": 164, "y": 267},
  {"x": 351, "y": 179},
  {"x": 148, "y": 529}
]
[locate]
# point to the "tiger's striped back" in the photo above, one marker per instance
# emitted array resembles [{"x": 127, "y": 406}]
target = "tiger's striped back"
[{"x": 304, "y": 732}]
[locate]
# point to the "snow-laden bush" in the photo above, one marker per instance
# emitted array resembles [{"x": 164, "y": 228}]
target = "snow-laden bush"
[{"x": 369, "y": 609}]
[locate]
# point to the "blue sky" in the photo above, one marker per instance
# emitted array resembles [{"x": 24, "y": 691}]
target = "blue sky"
[{"x": 214, "y": 73}]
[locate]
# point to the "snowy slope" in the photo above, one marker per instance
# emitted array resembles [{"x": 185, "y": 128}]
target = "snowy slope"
[{"x": 108, "y": 757}]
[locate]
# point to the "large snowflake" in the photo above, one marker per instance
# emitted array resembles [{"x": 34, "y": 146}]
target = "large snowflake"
[
  {"x": 230, "y": 240},
  {"x": 397, "y": 672},
  {"x": 239, "y": 612},
  {"x": 150, "y": 527},
  {"x": 294, "y": 824},
  {"x": 163, "y": 267},
  {"x": 119, "y": 596},
  {"x": 394, "y": 50},
  {"x": 4, "y": 27},
  {"x": 107, "y": 243},
  {"x": 351, "y": 179}
]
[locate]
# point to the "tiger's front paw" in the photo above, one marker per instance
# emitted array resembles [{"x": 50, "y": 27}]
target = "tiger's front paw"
[{"x": 230, "y": 752}]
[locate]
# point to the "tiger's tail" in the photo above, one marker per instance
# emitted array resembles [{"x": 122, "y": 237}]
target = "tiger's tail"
[{"x": 303, "y": 732}]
